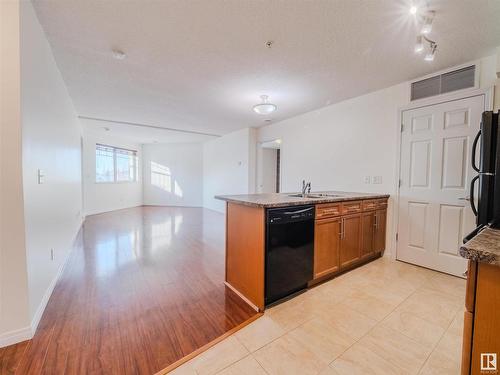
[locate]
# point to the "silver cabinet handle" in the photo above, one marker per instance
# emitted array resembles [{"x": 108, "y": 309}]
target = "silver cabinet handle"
[{"x": 464, "y": 199}]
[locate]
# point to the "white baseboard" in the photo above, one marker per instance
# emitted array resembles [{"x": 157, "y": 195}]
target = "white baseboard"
[
  {"x": 45, "y": 300},
  {"x": 13, "y": 337}
]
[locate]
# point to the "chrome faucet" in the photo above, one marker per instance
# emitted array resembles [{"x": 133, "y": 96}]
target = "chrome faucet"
[{"x": 306, "y": 187}]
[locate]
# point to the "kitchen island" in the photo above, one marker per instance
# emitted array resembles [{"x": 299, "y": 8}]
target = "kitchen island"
[{"x": 349, "y": 229}]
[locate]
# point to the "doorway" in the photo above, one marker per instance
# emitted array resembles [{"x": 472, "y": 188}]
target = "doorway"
[
  {"x": 269, "y": 167},
  {"x": 435, "y": 174}
]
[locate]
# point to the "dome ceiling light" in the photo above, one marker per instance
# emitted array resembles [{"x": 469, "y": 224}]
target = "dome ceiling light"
[{"x": 265, "y": 107}]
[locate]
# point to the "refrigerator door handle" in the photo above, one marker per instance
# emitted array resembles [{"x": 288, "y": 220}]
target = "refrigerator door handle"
[
  {"x": 471, "y": 197},
  {"x": 474, "y": 147}
]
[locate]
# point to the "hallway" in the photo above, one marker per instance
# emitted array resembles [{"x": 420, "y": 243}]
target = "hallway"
[{"x": 142, "y": 288}]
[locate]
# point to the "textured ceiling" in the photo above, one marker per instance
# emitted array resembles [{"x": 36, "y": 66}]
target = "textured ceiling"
[{"x": 201, "y": 65}]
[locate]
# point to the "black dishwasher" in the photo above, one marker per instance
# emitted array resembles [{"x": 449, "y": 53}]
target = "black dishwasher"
[{"x": 289, "y": 250}]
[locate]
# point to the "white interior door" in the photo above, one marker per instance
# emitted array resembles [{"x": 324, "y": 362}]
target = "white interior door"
[{"x": 434, "y": 215}]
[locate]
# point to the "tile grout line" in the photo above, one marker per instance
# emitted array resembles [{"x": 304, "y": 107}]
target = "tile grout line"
[
  {"x": 438, "y": 341},
  {"x": 371, "y": 329}
]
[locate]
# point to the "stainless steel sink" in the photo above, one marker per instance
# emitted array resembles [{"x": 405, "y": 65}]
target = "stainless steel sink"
[
  {"x": 327, "y": 195},
  {"x": 314, "y": 195}
]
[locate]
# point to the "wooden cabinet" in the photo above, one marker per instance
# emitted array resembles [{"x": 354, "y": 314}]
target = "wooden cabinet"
[
  {"x": 486, "y": 337},
  {"x": 481, "y": 318},
  {"x": 350, "y": 240},
  {"x": 326, "y": 247},
  {"x": 380, "y": 226},
  {"x": 367, "y": 234},
  {"x": 347, "y": 233}
]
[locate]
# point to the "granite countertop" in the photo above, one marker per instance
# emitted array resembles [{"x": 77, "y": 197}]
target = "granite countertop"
[
  {"x": 284, "y": 199},
  {"x": 484, "y": 247}
]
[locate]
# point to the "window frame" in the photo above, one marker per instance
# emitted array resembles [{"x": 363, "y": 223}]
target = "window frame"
[{"x": 135, "y": 155}]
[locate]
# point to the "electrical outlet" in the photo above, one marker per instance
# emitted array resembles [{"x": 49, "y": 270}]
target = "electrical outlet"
[
  {"x": 367, "y": 179},
  {"x": 52, "y": 254},
  {"x": 377, "y": 179}
]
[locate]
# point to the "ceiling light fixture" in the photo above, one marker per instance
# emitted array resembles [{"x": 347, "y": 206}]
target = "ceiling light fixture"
[
  {"x": 432, "y": 47},
  {"x": 264, "y": 108},
  {"x": 432, "y": 52},
  {"x": 118, "y": 55},
  {"x": 427, "y": 25},
  {"x": 413, "y": 10},
  {"x": 423, "y": 42}
]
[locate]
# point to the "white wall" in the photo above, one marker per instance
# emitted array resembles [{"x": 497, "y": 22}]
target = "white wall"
[
  {"x": 104, "y": 197},
  {"x": 336, "y": 146},
  {"x": 184, "y": 161},
  {"x": 14, "y": 302},
  {"x": 51, "y": 142},
  {"x": 229, "y": 167}
]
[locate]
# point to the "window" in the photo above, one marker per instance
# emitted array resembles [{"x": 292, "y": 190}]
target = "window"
[{"x": 113, "y": 164}]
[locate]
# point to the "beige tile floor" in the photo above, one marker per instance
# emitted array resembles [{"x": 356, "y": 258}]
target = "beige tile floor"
[{"x": 386, "y": 317}]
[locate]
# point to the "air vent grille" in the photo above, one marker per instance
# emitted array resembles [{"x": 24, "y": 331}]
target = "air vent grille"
[{"x": 447, "y": 82}]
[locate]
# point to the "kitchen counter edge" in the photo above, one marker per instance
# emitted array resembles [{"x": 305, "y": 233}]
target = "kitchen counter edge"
[
  {"x": 284, "y": 200},
  {"x": 484, "y": 247}
]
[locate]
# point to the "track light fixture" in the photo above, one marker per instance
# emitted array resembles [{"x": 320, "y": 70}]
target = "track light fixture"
[
  {"x": 420, "y": 44},
  {"x": 432, "y": 52},
  {"x": 427, "y": 24},
  {"x": 425, "y": 20}
]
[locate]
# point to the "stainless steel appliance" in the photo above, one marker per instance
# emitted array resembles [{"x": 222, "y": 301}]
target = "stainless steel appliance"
[
  {"x": 289, "y": 251},
  {"x": 487, "y": 210}
]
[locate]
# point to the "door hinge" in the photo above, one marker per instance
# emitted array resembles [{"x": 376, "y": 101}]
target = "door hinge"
[
  {"x": 397, "y": 236},
  {"x": 402, "y": 127},
  {"x": 400, "y": 183}
]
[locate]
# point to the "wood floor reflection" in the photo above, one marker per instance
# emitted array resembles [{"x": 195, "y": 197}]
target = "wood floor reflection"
[{"x": 142, "y": 289}]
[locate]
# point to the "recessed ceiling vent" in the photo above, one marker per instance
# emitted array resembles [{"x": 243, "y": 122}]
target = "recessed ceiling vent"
[{"x": 459, "y": 79}]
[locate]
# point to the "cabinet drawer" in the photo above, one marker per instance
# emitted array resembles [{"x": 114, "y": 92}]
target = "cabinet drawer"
[
  {"x": 350, "y": 207},
  {"x": 381, "y": 203},
  {"x": 369, "y": 205},
  {"x": 324, "y": 211}
]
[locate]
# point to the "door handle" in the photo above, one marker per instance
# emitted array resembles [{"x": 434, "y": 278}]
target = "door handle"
[
  {"x": 474, "y": 147},
  {"x": 464, "y": 199},
  {"x": 297, "y": 212},
  {"x": 471, "y": 192}
]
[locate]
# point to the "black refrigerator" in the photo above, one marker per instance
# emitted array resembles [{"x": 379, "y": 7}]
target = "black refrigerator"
[{"x": 487, "y": 181}]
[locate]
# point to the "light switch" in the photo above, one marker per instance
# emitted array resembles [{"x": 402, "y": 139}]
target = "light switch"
[
  {"x": 377, "y": 179},
  {"x": 41, "y": 177},
  {"x": 367, "y": 179}
]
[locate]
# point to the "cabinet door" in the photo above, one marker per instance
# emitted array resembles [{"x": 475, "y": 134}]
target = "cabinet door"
[
  {"x": 368, "y": 234},
  {"x": 350, "y": 240},
  {"x": 380, "y": 225},
  {"x": 486, "y": 339},
  {"x": 326, "y": 247}
]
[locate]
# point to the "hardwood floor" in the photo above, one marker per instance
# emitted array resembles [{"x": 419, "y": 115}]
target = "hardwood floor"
[{"x": 142, "y": 289}]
